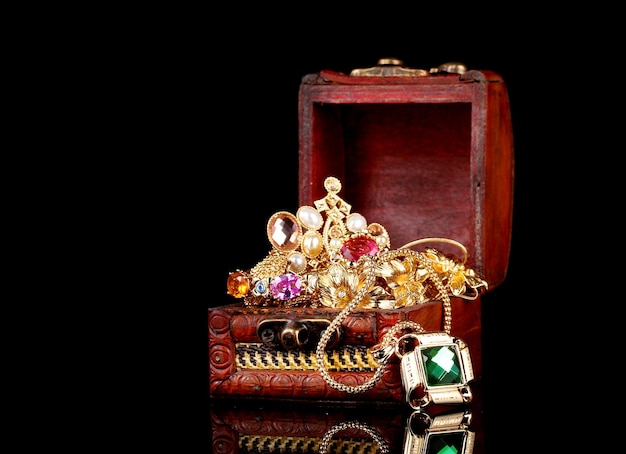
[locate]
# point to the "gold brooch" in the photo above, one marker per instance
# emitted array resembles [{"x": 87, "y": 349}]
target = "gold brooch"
[{"x": 327, "y": 256}]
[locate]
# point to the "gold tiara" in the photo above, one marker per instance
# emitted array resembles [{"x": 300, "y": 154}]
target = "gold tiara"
[{"x": 326, "y": 256}]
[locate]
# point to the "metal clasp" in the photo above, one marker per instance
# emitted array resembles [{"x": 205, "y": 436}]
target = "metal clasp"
[
  {"x": 388, "y": 67},
  {"x": 411, "y": 373},
  {"x": 452, "y": 67},
  {"x": 290, "y": 334},
  {"x": 392, "y": 67}
]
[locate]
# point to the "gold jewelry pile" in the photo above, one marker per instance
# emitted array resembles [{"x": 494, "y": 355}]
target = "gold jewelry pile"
[{"x": 317, "y": 261}]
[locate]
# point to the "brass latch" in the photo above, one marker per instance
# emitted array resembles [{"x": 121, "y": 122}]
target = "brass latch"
[
  {"x": 453, "y": 67},
  {"x": 292, "y": 334},
  {"x": 392, "y": 67}
]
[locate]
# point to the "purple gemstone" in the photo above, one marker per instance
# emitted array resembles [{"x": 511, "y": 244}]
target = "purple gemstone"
[
  {"x": 286, "y": 286},
  {"x": 357, "y": 246}
]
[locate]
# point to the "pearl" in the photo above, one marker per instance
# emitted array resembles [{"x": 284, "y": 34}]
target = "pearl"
[
  {"x": 335, "y": 243},
  {"x": 381, "y": 241},
  {"x": 356, "y": 222},
  {"x": 312, "y": 243},
  {"x": 310, "y": 218},
  {"x": 297, "y": 262}
]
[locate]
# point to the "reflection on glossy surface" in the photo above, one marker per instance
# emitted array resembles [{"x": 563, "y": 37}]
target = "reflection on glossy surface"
[
  {"x": 447, "y": 432},
  {"x": 265, "y": 426}
]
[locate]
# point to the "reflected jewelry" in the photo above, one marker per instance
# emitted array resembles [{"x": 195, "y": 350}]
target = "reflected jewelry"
[
  {"x": 443, "y": 433},
  {"x": 328, "y": 436},
  {"x": 325, "y": 256}
]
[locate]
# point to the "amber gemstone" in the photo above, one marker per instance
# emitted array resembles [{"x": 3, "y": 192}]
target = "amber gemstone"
[
  {"x": 238, "y": 284},
  {"x": 375, "y": 229}
]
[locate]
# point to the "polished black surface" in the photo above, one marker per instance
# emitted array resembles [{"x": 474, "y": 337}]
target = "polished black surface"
[{"x": 256, "y": 426}]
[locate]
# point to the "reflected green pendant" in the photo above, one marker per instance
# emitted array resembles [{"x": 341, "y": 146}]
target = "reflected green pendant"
[{"x": 445, "y": 444}]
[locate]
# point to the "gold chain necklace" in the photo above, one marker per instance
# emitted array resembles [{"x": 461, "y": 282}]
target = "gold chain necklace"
[{"x": 383, "y": 351}]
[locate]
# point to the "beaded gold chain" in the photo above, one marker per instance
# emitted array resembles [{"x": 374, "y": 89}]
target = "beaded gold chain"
[
  {"x": 383, "y": 351},
  {"x": 379, "y": 439}
]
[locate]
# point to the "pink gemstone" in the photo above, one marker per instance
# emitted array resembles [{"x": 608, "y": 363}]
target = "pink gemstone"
[
  {"x": 357, "y": 246},
  {"x": 286, "y": 286},
  {"x": 283, "y": 231}
]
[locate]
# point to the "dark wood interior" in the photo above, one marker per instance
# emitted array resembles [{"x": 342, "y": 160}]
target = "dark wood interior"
[{"x": 421, "y": 160}]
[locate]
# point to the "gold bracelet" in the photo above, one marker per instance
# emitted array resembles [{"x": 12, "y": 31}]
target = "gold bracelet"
[{"x": 316, "y": 261}]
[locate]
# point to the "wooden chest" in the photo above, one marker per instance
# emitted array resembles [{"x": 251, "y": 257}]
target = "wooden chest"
[{"x": 426, "y": 154}]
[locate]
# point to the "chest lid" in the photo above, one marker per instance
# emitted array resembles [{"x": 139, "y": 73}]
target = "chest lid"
[{"x": 424, "y": 153}]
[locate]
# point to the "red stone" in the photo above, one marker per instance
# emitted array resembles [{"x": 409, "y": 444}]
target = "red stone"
[{"x": 357, "y": 246}]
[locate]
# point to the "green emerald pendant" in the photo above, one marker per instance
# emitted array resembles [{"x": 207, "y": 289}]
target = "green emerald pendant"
[{"x": 441, "y": 365}]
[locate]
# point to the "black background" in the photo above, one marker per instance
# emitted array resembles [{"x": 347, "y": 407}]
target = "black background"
[
  {"x": 222, "y": 156},
  {"x": 153, "y": 143}
]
